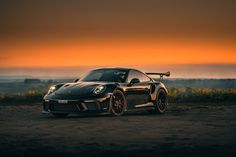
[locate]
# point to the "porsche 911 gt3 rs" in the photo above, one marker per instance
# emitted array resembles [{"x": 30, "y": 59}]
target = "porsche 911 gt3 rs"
[{"x": 108, "y": 90}]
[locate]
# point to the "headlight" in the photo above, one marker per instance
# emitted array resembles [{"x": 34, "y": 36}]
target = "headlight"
[
  {"x": 99, "y": 89},
  {"x": 52, "y": 89}
]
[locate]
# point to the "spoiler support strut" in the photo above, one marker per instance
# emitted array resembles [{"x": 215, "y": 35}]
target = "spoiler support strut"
[{"x": 167, "y": 74}]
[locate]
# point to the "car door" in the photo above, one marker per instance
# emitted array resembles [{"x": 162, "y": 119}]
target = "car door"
[{"x": 137, "y": 93}]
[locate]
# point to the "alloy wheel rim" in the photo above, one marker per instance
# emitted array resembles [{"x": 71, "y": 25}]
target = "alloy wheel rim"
[
  {"x": 161, "y": 102},
  {"x": 117, "y": 103}
]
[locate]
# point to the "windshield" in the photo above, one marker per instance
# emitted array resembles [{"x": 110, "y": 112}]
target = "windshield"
[{"x": 106, "y": 75}]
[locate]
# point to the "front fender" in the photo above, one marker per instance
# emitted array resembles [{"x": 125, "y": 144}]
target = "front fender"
[{"x": 59, "y": 85}]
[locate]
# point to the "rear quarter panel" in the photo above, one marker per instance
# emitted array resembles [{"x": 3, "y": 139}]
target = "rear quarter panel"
[{"x": 159, "y": 85}]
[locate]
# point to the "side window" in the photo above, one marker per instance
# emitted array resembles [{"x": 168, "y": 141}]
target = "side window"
[
  {"x": 145, "y": 78},
  {"x": 132, "y": 75},
  {"x": 139, "y": 75}
]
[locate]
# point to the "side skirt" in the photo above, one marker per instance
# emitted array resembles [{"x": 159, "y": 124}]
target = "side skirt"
[{"x": 149, "y": 104}]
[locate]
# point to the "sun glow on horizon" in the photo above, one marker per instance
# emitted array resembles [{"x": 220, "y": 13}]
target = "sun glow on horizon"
[{"x": 62, "y": 53}]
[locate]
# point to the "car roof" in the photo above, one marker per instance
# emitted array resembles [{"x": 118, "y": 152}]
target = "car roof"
[{"x": 118, "y": 68}]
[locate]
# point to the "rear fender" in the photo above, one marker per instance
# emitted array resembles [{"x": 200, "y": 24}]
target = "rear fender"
[{"x": 159, "y": 86}]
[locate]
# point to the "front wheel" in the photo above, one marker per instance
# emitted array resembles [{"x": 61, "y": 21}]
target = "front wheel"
[{"x": 117, "y": 103}]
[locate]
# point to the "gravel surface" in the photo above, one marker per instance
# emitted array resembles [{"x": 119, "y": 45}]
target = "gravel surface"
[{"x": 184, "y": 130}]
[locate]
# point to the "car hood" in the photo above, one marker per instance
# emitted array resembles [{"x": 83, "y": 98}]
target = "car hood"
[{"x": 78, "y": 90}]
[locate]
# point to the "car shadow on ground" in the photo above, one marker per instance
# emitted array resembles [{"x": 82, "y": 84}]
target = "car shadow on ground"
[
  {"x": 173, "y": 110},
  {"x": 127, "y": 114}
]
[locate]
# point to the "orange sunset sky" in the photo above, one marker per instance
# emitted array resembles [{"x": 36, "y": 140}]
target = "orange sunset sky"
[{"x": 185, "y": 36}]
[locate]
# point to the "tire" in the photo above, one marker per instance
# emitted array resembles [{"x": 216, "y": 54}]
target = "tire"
[
  {"x": 60, "y": 115},
  {"x": 160, "y": 103},
  {"x": 118, "y": 103}
]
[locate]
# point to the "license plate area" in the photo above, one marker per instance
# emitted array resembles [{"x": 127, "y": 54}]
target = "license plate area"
[{"x": 67, "y": 106}]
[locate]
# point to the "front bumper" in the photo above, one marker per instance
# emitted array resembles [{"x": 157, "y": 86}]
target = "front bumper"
[{"x": 99, "y": 105}]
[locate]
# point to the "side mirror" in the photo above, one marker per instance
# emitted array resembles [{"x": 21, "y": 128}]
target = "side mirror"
[
  {"x": 134, "y": 81},
  {"x": 76, "y": 80}
]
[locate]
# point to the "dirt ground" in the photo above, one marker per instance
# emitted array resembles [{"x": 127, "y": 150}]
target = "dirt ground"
[{"x": 184, "y": 130}]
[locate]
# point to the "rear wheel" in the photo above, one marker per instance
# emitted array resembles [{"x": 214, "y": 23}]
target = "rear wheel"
[
  {"x": 117, "y": 103},
  {"x": 161, "y": 102}
]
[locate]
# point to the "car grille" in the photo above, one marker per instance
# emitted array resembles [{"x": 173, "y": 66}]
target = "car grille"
[
  {"x": 65, "y": 107},
  {"x": 71, "y": 106}
]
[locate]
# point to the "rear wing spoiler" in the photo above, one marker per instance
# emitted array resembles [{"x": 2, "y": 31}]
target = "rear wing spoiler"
[{"x": 167, "y": 74}]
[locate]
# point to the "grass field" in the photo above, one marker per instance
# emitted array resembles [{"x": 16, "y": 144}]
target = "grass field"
[{"x": 19, "y": 92}]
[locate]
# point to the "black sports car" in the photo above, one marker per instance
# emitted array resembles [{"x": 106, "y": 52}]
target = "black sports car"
[{"x": 108, "y": 90}]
